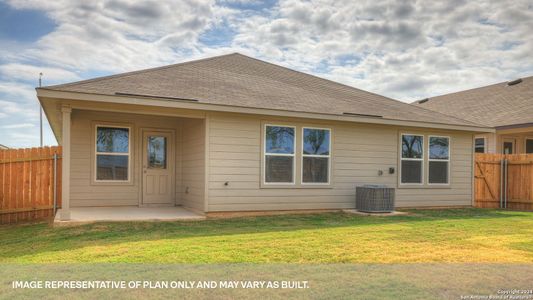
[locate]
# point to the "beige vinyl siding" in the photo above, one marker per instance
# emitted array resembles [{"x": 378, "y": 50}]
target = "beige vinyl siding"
[
  {"x": 193, "y": 164},
  {"x": 83, "y": 191},
  {"x": 358, "y": 152}
]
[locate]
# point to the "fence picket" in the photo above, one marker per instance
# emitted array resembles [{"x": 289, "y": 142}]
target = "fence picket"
[
  {"x": 26, "y": 183},
  {"x": 519, "y": 181}
]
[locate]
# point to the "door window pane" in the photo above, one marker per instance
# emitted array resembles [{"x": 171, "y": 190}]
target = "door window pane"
[
  {"x": 315, "y": 169},
  {"x": 316, "y": 141},
  {"x": 411, "y": 171},
  {"x": 112, "y": 140},
  {"x": 279, "y": 139},
  {"x": 111, "y": 167},
  {"x": 412, "y": 146},
  {"x": 157, "y": 152},
  {"x": 508, "y": 148},
  {"x": 279, "y": 169}
]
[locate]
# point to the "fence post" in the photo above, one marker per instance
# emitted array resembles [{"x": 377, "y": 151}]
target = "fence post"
[
  {"x": 506, "y": 183},
  {"x": 501, "y": 183},
  {"x": 55, "y": 183}
]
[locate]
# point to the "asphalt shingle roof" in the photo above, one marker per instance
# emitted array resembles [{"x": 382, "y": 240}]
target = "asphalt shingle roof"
[
  {"x": 242, "y": 81},
  {"x": 493, "y": 106}
]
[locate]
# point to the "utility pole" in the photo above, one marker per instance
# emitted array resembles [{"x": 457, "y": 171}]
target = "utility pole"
[{"x": 41, "y": 111}]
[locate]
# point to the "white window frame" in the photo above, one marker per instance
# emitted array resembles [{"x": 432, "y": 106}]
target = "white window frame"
[
  {"x": 440, "y": 160},
  {"x": 422, "y": 168},
  {"x": 96, "y": 153},
  {"x": 313, "y": 155},
  {"x": 484, "y": 144},
  {"x": 265, "y": 153}
]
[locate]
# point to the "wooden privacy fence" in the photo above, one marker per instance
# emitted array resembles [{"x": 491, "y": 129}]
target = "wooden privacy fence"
[
  {"x": 504, "y": 181},
  {"x": 27, "y": 183}
]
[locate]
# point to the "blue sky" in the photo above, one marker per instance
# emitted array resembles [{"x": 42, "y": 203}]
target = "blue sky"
[{"x": 406, "y": 50}]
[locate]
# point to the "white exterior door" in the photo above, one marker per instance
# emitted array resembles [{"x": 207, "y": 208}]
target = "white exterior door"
[{"x": 158, "y": 167}]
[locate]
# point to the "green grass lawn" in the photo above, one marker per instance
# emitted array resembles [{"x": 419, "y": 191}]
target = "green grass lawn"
[{"x": 453, "y": 235}]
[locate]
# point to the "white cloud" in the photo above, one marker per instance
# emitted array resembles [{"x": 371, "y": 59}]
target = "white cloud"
[
  {"x": 118, "y": 35},
  {"x": 16, "y": 90},
  {"x": 21, "y": 125},
  {"x": 403, "y": 49},
  {"x": 25, "y": 72}
]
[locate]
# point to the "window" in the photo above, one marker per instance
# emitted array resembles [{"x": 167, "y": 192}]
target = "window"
[
  {"x": 316, "y": 154},
  {"x": 112, "y": 153},
  {"x": 157, "y": 152},
  {"x": 529, "y": 145},
  {"x": 412, "y": 159},
  {"x": 508, "y": 147},
  {"x": 279, "y": 154},
  {"x": 439, "y": 160},
  {"x": 480, "y": 145}
]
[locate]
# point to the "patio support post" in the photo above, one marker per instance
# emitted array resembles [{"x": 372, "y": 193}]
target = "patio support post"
[{"x": 65, "y": 170}]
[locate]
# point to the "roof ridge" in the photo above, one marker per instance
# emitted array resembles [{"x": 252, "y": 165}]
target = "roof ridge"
[{"x": 148, "y": 70}]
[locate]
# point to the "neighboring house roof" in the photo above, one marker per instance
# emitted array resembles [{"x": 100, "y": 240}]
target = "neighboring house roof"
[
  {"x": 241, "y": 81},
  {"x": 497, "y": 105},
  {"x": 3, "y": 146}
]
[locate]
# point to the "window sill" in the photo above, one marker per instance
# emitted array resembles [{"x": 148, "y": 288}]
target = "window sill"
[
  {"x": 297, "y": 186},
  {"x": 96, "y": 183},
  {"x": 424, "y": 186}
]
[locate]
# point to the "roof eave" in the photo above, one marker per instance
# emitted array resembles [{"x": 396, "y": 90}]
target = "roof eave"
[{"x": 68, "y": 95}]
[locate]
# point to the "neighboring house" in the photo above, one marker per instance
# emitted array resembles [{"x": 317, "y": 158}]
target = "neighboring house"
[
  {"x": 233, "y": 133},
  {"x": 3, "y": 147},
  {"x": 506, "y": 106}
]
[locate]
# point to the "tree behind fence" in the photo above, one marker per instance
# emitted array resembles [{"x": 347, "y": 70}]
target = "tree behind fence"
[
  {"x": 519, "y": 181},
  {"x": 26, "y": 184}
]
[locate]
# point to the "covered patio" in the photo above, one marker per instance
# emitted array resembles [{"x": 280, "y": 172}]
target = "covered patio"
[
  {"x": 126, "y": 214},
  {"x": 516, "y": 139}
]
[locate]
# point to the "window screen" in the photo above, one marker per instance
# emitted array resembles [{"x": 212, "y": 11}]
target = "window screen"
[
  {"x": 112, "y": 153},
  {"x": 412, "y": 159},
  {"x": 439, "y": 159},
  {"x": 279, "y": 154},
  {"x": 315, "y": 155}
]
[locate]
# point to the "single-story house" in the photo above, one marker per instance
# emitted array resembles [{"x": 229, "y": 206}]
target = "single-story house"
[
  {"x": 506, "y": 106},
  {"x": 233, "y": 134}
]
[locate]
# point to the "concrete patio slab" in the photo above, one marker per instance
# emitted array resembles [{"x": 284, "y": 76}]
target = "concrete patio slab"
[
  {"x": 386, "y": 214},
  {"x": 127, "y": 214}
]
